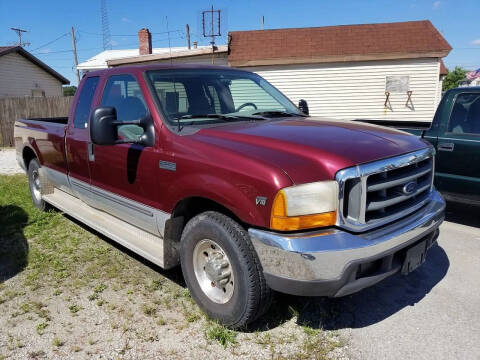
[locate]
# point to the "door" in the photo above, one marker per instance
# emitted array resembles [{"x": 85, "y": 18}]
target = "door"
[
  {"x": 77, "y": 138},
  {"x": 123, "y": 177},
  {"x": 458, "y": 150}
]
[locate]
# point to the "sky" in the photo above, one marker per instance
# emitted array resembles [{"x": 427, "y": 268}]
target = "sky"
[{"x": 49, "y": 21}]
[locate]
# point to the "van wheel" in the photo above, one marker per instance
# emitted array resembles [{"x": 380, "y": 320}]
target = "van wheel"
[
  {"x": 35, "y": 185},
  {"x": 222, "y": 270}
]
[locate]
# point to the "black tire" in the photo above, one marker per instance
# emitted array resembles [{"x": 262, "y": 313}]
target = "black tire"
[
  {"x": 251, "y": 296},
  {"x": 35, "y": 189}
]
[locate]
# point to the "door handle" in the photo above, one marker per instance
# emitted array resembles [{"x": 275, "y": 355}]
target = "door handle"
[
  {"x": 91, "y": 154},
  {"x": 442, "y": 146}
]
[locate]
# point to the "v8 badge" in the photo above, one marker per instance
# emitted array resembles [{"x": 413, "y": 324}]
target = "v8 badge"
[{"x": 261, "y": 200}]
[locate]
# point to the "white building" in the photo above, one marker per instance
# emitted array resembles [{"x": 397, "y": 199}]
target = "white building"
[
  {"x": 22, "y": 74},
  {"x": 389, "y": 71}
]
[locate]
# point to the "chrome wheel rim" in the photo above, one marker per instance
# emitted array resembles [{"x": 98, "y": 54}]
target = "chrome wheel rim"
[
  {"x": 213, "y": 271},
  {"x": 36, "y": 186}
]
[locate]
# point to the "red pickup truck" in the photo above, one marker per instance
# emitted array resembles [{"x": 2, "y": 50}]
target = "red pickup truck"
[{"x": 214, "y": 169}]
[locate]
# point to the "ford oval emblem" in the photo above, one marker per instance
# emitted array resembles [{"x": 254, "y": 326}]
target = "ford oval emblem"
[{"x": 409, "y": 187}]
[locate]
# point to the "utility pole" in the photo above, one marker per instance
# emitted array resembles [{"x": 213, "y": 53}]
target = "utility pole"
[
  {"x": 187, "y": 32},
  {"x": 263, "y": 21},
  {"x": 74, "y": 45},
  {"x": 19, "y": 34}
]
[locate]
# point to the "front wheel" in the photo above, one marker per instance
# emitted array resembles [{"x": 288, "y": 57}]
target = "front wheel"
[{"x": 222, "y": 270}]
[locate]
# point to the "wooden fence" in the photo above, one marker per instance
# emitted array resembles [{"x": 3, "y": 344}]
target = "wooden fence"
[{"x": 24, "y": 107}]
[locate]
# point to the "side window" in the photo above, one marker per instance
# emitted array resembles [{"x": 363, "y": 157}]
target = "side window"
[
  {"x": 84, "y": 103},
  {"x": 124, "y": 94},
  {"x": 244, "y": 90},
  {"x": 465, "y": 116}
]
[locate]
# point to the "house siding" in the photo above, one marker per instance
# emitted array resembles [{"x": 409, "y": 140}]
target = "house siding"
[
  {"x": 356, "y": 90},
  {"x": 19, "y": 76}
]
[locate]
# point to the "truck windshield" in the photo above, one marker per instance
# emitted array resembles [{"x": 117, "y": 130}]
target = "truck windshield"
[{"x": 206, "y": 96}]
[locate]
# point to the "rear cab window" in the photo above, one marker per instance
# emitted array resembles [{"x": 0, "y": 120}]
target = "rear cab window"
[{"x": 84, "y": 103}]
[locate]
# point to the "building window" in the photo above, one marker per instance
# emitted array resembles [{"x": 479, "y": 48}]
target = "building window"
[{"x": 38, "y": 93}]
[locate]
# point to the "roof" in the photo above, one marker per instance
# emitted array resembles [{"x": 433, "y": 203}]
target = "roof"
[
  {"x": 399, "y": 40},
  {"x": 127, "y": 56},
  {"x": 4, "y": 50},
  {"x": 443, "y": 68},
  {"x": 180, "y": 52},
  {"x": 139, "y": 68}
]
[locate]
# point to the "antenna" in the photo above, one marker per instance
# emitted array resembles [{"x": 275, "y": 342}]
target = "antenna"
[
  {"x": 211, "y": 26},
  {"x": 107, "y": 42},
  {"x": 19, "y": 34}
]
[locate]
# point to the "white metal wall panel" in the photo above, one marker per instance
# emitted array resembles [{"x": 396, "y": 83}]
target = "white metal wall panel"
[{"x": 357, "y": 90}]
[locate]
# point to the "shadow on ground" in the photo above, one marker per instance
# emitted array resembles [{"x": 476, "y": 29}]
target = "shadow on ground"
[
  {"x": 463, "y": 214},
  {"x": 13, "y": 245}
]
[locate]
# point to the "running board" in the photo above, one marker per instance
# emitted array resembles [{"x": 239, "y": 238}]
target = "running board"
[{"x": 139, "y": 241}]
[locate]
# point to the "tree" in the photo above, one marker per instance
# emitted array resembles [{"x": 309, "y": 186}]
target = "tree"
[
  {"x": 69, "y": 90},
  {"x": 453, "y": 78}
]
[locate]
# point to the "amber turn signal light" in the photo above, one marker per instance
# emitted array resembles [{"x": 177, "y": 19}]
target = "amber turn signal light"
[{"x": 281, "y": 221}]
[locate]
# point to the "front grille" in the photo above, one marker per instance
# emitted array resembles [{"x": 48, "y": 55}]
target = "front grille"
[{"x": 376, "y": 193}]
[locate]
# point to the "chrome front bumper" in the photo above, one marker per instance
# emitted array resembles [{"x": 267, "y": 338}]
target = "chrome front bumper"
[{"x": 330, "y": 262}]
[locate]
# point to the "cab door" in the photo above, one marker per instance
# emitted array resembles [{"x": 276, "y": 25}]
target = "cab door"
[
  {"x": 124, "y": 176},
  {"x": 77, "y": 139},
  {"x": 458, "y": 150}
]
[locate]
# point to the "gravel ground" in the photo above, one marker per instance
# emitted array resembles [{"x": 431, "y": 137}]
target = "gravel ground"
[{"x": 8, "y": 162}]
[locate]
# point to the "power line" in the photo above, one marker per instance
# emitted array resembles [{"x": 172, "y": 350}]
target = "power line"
[
  {"x": 153, "y": 33},
  {"x": 51, "y": 42}
]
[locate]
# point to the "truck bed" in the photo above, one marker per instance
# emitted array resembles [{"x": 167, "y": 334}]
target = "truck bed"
[{"x": 47, "y": 137}]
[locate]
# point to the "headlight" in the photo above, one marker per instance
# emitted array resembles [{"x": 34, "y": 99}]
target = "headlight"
[{"x": 305, "y": 206}]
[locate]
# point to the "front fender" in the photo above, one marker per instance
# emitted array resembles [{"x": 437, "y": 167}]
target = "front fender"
[{"x": 238, "y": 196}]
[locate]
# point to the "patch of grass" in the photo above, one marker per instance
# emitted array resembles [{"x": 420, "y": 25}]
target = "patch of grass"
[
  {"x": 93, "y": 296},
  {"x": 192, "y": 317},
  {"x": 99, "y": 289},
  {"x": 100, "y": 302},
  {"x": 161, "y": 321},
  {"x": 57, "y": 342},
  {"x": 38, "y": 354},
  {"x": 41, "y": 327},
  {"x": 217, "y": 332},
  {"x": 149, "y": 310},
  {"x": 74, "y": 308}
]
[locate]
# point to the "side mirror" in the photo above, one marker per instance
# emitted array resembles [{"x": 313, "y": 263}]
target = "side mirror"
[
  {"x": 103, "y": 130},
  {"x": 303, "y": 106},
  {"x": 104, "y": 124}
]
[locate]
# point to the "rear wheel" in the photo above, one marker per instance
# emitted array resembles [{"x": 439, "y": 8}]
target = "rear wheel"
[
  {"x": 222, "y": 270},
  {"x": 35, "y": 185}
]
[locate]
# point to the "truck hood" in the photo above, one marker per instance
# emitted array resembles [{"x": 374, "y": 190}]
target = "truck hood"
[{"x": 311, "y": 149}]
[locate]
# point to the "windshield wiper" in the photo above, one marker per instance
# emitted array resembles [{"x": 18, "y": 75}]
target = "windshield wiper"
[
  {"x": 278, "y": 113},
  {"x": 219, "y": 116}
]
